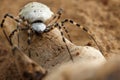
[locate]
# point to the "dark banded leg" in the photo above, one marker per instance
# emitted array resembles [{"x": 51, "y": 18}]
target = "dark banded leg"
[
  {"x": 67, "y": 32},
  {"x": 59, "y": 14},
  {"x": 60, "y": 28},
  {"x": 10, "y": 42},
  {"x": 2, "y": 26},
  {"x": 13, "y": 32},
  {"x": 84, "y": 29},
  {"x": 16, "y": 30}
]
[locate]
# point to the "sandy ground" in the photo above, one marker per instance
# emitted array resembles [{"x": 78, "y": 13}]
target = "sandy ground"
[{"x": 101, "y": 17}]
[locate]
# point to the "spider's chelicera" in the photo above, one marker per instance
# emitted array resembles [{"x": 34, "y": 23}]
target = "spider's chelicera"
[{"x": 36, "y": 14}]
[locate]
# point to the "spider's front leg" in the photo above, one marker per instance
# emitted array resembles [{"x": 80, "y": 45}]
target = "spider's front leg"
[{"x": 2, "y": 25}]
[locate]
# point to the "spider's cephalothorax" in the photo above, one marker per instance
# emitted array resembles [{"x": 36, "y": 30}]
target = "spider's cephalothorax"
[{"x": 41, "y": 19}]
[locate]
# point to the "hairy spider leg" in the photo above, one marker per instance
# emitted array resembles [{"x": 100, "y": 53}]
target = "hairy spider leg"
[
  {"x": 84, "y": 29},
  {"x": 13, "y": 32},
  {"x": 18, "y": 29}
]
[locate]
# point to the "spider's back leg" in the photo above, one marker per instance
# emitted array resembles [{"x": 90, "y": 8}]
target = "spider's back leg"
[{"x": 83, "y": 28}]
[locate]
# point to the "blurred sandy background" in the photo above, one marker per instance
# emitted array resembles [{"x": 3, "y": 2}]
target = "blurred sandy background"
[{"x": 101, "y": 17}]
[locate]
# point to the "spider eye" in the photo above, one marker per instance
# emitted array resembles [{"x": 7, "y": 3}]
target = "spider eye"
[{"x": 39, "y": 27}]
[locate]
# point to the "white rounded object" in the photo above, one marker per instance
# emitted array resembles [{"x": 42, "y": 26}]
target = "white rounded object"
[
  {"x": 35, "y": 11},
  {"x": 39, "y": 27}
]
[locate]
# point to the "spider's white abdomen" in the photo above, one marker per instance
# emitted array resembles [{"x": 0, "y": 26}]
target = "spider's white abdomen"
[
  {"x": 35, "y": 11},
  {"x": 39, "y": 27}
]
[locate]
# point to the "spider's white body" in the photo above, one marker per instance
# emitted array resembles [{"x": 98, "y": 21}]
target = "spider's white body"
[{"x": 35, "y": 11}]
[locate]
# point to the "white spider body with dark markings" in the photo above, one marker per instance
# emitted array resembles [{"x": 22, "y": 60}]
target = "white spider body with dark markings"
[
  {"x": 36, "y": 14},
  {"x": 35, "y": 11}
]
